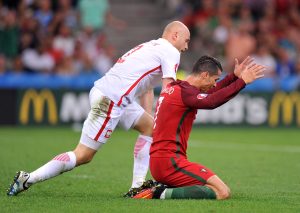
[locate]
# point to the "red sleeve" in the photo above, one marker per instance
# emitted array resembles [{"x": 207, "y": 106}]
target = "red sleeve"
[
  {"x": 192, "y": 97},
  {"x": 223, "y": 83}
]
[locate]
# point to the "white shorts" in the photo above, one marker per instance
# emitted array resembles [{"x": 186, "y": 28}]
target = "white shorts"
[{"x": 104, "y": 117}]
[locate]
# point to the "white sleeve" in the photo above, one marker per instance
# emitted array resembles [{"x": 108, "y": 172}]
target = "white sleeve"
[{"x": 169, "y": 62}]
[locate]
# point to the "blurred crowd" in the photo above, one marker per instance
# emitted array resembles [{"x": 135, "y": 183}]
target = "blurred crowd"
[
  {"x": 59, "y": 36},
  {"x": 268, "y": 30},
  {"x": 66, "y": 36}
]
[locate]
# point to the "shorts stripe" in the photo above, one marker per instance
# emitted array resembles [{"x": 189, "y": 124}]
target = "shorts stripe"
[
  {"x": 197, "y": 177},
  {"x": 106, "y": 121}
]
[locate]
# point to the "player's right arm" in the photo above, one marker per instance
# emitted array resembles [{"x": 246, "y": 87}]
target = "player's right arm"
[
  {"x": 194, "y": 99},
  {"x": 169, "y": 60}
]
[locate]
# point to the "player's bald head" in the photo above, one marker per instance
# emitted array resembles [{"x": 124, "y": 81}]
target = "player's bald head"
[
  {"x": 174, "y": 26},
  {"x": 177, "y": 34}
]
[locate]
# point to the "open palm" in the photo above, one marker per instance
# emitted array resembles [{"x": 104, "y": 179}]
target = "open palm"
[{"x": 239, "y": 68}]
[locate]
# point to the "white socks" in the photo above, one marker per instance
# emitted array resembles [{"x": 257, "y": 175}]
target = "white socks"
[
  {"x": 141, "y": 160},
  {"x": 67, "y": 161},
  {"x": 59, "y": 164}
]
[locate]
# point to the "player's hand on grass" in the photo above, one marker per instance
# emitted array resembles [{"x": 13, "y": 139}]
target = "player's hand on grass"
[
  {"x": 239, "y": 68},
  {"x": 253, "y": 72}
]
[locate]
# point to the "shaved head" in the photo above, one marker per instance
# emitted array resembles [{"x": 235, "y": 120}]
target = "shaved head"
[
  {"x": 178, "y": 35},
  {"x": 174, "y": 26}
]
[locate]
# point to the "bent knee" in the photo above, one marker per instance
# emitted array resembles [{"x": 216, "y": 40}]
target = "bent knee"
[
  {"x": 83, "y": 159},
  {"x": 83, "y": 154}
]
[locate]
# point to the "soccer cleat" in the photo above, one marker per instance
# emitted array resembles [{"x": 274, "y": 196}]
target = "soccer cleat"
[
  {"x": 151, "y": 193},
  {"x": 133, "y": 191},
  {"x": 145, "y": 194},
  {"x": 19, "y": 183}
]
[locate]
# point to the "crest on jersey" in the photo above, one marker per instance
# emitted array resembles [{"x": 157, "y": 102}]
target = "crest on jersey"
[
  {"x": 168, "y": 90},
  {"x": 201, "y": 96}
]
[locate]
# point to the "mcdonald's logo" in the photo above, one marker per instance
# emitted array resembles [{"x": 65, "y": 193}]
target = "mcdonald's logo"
[
  {"x": 39, "y": 101},
  {"x": 286, "y": 105}
]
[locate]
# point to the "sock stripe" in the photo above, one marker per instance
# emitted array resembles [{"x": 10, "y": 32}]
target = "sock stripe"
[
  {"x": 139, "y": 146},
  {"x": 62, "y": 157}
]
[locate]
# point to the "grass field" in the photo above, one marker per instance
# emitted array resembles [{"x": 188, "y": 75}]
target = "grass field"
[{"x": 261, "y": 166}]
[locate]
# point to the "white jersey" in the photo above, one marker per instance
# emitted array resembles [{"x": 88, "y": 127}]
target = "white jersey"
[{"x": 139, "y": 70}]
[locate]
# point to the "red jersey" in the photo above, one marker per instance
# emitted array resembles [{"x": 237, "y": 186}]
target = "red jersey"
[{"x": 177, "y": 108}]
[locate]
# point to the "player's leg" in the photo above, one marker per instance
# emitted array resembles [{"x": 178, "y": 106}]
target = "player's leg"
[
  {"x": 141, "y": 149},
  {"x": 214, "y": 189},
  {"x": 102, "y": 119},
  {"x": 189, "y": 181},
  {"x": 137, "y": 118}
]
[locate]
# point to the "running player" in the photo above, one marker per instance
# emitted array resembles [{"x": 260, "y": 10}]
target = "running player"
[
  {"x": 112, "y": 101},
  {"x": 175, "y": 112}
]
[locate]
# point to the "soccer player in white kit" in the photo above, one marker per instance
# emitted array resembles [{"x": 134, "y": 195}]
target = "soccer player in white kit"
[{"x": 113, "y": 101}]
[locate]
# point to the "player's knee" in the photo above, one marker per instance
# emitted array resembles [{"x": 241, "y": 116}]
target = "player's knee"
[
  {"x": 144, "y": 125},
  {"x": 83, "y": 154},
  {"x": 83, "y": 159},
  {"x": 145, "y": 128}
]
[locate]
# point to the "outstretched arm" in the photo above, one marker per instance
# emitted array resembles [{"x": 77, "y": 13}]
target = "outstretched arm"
[
  {"x": 195, "y": 99},
  {"x": 238, "y": 69}
]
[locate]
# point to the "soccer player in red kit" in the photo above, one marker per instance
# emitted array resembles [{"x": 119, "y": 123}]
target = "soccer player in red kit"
[{"x": 175, "y": 112}]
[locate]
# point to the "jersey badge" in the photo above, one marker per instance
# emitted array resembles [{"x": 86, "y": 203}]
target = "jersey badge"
[
  {"x": 201, "y": 96},
  {"x": 168, "y": 90},
  {"x": 203, "y": 170}
]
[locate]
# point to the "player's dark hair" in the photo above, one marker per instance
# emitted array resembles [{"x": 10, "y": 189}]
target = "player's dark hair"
[{"x": 207, "y": 64}]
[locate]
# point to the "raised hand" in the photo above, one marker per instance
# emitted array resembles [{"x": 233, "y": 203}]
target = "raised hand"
[
  {"x": 239, "y": 68},
  {"x": 253, "y": 72}
]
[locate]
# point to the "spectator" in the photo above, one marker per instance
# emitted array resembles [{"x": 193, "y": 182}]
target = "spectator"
[
  {"x": 240, "y": 44},
  {"x": 93, "y": 13},
  {"x": 82, "y": 63},
  {"x": 44, "y": 14},
  {"x": 263, "y": 56},
  {"x": 96, "y": 14},
  {"x": 9, "y": 34},
  {"x": 65, "y": 66},
  {"x": 64, "y": 41},
  {"x": 29, "y": 32},
  {"x": 101, "y": 55},
  {"x": 69, "y": 14},
  {"x": 18, "y": 65},
  {"x": 38, "y": 60},
  {"x": 2, "y": 64},
  {"x": 285, "y": 66}
]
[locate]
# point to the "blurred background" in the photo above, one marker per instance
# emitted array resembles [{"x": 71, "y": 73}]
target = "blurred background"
[{"x": 51, "y": 52}]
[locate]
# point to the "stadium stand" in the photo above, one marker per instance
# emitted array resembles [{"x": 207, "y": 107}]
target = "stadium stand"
[{"x": 53, "y": 44}]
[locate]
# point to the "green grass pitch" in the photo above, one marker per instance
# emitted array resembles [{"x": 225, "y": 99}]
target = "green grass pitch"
[{"x": 261, "y": 166}]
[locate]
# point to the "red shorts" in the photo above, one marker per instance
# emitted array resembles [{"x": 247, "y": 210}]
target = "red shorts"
[{"x": 177, "y": 172}]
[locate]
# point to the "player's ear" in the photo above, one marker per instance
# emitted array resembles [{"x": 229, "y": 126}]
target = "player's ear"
[{"x": 205, "y": 74}]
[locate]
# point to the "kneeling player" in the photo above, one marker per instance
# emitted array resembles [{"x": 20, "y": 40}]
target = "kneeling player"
[{"x": 176, "y": 110}]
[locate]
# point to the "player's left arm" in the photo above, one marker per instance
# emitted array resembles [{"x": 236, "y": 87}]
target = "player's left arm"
[
  {"x": 195, "y": 99},
  {"x": 165, "y": 82},
  {"x": 238, "y": 69}
]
